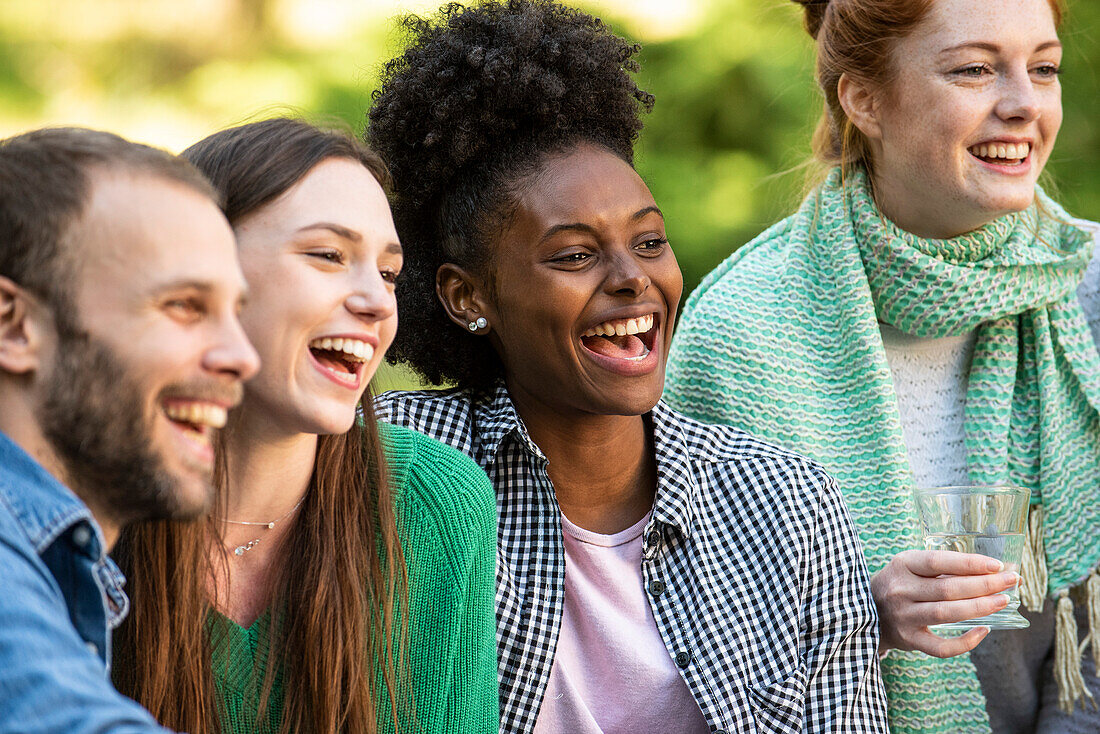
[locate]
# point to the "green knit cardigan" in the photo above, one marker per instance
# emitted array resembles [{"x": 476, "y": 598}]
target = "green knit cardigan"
[{"x": 447, "y": 526}]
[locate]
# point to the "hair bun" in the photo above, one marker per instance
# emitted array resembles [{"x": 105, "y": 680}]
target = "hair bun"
[{"x": 815, "y": 14}]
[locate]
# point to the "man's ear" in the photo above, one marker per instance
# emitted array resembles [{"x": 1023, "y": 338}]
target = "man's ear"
[
  {"x": 861, "y": 104},
  {"x": 463, "y": 299},
  {"x": 21, "y": 329}
]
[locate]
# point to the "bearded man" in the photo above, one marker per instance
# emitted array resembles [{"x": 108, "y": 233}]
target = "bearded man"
[{"x": 120, "y": 354}]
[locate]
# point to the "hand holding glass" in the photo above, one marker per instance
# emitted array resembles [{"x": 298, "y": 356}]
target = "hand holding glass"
[{"x": 986, "y": 520}]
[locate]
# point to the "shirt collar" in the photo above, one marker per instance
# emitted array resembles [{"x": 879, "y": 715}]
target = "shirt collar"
[
  {"x": 496, "y": 419},
  {"x": 676, "y": 480},
  {"x": 44, "y": 507}
]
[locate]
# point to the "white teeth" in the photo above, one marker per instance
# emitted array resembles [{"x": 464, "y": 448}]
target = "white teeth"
[
  {"x": 217, "y": 416},
  {"x": 203, "y": 414},
  {"x": 354, "y": 349},
  {"x": 1006, "y": 151},
  {"x": 622, "y": 327}
]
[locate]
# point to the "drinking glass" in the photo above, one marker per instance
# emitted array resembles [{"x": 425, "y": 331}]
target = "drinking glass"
[{"x": 986, "y": 520}]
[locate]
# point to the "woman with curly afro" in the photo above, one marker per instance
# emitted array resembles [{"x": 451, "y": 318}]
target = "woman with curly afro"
[{"x": 653, "y": 573}]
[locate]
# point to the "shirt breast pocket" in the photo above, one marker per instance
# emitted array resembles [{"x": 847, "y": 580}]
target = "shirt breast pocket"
[{"x": 779, "y": 707}]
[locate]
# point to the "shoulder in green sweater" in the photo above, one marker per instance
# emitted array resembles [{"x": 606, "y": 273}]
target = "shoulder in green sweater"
[{"x": 447, "y": 525}]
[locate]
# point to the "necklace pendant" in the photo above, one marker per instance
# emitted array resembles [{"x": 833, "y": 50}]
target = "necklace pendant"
[
  {"x": 271, "y": 525},
  {"x": 240, "y": 549}
]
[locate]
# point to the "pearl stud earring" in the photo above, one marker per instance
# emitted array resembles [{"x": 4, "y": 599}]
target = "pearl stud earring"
[{"x": 481, "y": 323}]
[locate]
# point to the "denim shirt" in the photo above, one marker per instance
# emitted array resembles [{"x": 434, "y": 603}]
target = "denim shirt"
[{"x": 60, "y": 597}]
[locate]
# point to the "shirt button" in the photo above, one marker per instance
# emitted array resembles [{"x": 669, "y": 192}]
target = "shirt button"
[
  {"x": 656, "y": 587},
  {"x": 92, "y": 648},
  {"x": 82, "y": 536},
  {"x": 683, "y": 659}
]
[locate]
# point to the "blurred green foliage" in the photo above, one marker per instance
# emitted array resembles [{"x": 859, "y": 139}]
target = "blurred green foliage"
[
  {"x": 723, "y": 151},
  {"x": 726, "y": 146}
]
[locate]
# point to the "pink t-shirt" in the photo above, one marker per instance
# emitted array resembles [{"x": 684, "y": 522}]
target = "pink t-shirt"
[{"x": 612, "y": 673}]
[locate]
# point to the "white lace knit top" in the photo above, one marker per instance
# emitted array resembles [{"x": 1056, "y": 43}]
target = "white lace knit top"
[{"x": 930, "y": 379}]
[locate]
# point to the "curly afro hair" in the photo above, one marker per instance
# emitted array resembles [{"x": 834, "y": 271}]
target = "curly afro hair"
[{"x": 479, "y": 100}]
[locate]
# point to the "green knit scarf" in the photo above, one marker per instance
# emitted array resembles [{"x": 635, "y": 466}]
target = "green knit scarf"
[{"x": 783, "y": 339}]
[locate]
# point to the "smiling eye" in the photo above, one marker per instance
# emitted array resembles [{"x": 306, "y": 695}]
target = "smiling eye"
[
  {"x": 1047, "y": 71},
  {"x": 653, "y": 246},
  {"x": 333, "y": 256},
  {"x": 573, "y": 258},
  {"x": 390, "y": 276},
  {"x": 184, "y": 310},
  {"x": 974, "y": 71}
]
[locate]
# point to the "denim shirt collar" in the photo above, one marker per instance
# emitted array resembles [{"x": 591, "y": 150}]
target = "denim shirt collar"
[
  {"x": 46, "y": 510},
  {"x": 44, "y": 507}
]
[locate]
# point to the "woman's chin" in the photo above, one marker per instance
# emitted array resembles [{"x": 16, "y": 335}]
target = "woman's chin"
[
  {"x": 1007, "y": 203},
  {"x": 337, "y": 426},
  {"x": 327, "y": 420}
]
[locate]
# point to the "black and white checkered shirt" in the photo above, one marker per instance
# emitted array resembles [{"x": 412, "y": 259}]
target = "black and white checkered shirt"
[{"x": 753, "y": 570}]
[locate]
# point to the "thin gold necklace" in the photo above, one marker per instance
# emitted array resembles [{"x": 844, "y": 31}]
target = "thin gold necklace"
[{"x": 270, "y": 525}]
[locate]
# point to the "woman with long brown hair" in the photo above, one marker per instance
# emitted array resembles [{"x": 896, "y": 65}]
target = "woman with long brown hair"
[{"x": 344, "y": 582}]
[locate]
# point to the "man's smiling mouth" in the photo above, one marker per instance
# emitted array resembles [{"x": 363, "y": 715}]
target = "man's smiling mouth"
[
  {"x": 195, "y": 421},
  {"x": 195, "y": 416}
]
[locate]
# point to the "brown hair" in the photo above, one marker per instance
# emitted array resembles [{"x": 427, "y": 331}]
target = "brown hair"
[
  {"x": 341, "y": 564},
  {"x": 856, "y": 37},
  {"x": 45, "y": 184}
]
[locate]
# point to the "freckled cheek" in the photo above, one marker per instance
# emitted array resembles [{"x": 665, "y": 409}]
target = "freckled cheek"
[{"x": 1050, "y": 122}]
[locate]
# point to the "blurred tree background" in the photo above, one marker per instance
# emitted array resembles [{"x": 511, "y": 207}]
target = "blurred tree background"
[{"x": 723, "y": 150}]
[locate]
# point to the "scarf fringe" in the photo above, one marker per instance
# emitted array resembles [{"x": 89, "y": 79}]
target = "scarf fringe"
[
  {"x": 1033, "y": 564},
  {"x": 1067, "y": 658},
  {"x": 1067, "y": 652},
  {"x": 1092, "y": 592}
]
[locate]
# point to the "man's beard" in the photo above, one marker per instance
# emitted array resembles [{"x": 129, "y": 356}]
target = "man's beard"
[{"x": 94, "y": 416}]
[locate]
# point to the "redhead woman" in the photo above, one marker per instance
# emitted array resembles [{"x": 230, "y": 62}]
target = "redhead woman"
[
  {"x": 345, "y": 582},
  {"x": 929, "y": 317},
  {"x": 653, "y": 573}
]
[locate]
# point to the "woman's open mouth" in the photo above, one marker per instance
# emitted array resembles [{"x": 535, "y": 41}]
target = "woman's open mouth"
[
  {"x": 341, "y": 360},
  {"x": 1007, "y": 155},
  {"x": 625, "y": 346}
]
